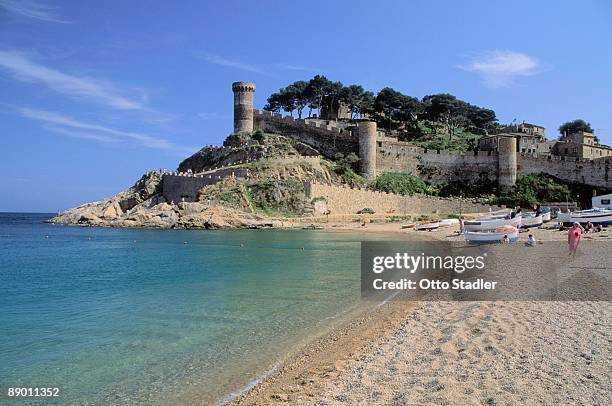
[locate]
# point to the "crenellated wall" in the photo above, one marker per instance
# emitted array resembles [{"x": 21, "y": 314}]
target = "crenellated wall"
[
  {"x": 434, "y": 165},
  {"x": 346, "y": 200},
  {"x": 178, "y": 186},
  {"x": 328, "y": 139}
]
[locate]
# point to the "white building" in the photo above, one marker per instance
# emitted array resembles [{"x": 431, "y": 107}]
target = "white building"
[{"x": 602, "y": 202}]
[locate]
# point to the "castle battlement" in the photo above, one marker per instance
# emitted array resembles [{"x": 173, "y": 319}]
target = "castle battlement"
[{"x": 379, "y": 153}]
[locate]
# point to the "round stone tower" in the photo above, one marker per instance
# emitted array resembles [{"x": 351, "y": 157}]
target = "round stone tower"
[
  {"x": 506, "y": 173},
  {"x": 367, "y": 148},
  {"x": 243, "y": 106}
]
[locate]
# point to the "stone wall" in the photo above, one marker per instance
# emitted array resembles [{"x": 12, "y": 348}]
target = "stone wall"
[
  {"x": 182, "y": 186},
  {"x": 596, "y": 172},
  {"x": 327, "y": 139},
  {"x": 177, "y": 187},
  {"x": 436, "y": 166},
  {"x": 346, "y": 200}
]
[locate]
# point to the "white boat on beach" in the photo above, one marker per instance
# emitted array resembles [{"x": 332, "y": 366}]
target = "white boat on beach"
[
  {"x": 492, "y": 224},
  {"x": 595, "y": 216},
  {"x": 493, "y": 236},
  {"x": 564, "y": 217},
  {"x": 546, "y": 216},
  {"x": 496, "y": 215},
  {"x": 428, "y": 225},
  {"x": 448, "y": 222},
  {"x": 531, "y": 220}
]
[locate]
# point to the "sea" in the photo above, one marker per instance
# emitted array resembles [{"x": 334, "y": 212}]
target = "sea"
[{"x": 148, "y": 316}]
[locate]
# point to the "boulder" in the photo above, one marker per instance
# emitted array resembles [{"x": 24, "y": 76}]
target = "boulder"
[
  {"x": 188, "y": 208},
  {"x": 112, "y": 211},
  {"x": 163, "y": 207},
  {"x": 90, "y": 219},
  {"x": 168, "y": 216},
  {"x": 140, "y": 217},
  {"x": 128, "y": 203}
]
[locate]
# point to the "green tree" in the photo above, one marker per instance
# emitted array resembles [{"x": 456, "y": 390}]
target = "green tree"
[
  {"x": 298, "y": 91},
  {"x": 332, "y": 93},
  {"x": 281, "y": 101},
  {"x": 447, "y": 110},
  {"x": 394, "y": 108},
  {"x": 316, "y": 92},
  {"x": 481, "y": 118},
  {"x": 293, "y": 97},
  {"x": 572, "y": 127},
  {"x": 357, "y": 99}
]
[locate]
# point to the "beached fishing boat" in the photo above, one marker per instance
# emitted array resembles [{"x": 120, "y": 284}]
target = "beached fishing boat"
[
  {"x": 492, "y": 236},
  {"x": 409, "y": 225},
  {"x": 496, "y": 215},
  {"x": 492, "y": 224},
  {"x": 448, "y": 222},
  {"x": 531, "y": 220},
  {"x": 546, "y": 216},
  {"x": 564, "y": 217},
  {"x": 595, "y": 216},
  {"x": 427, "y": 225}
]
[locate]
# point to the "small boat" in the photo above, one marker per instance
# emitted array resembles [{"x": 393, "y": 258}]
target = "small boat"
[
  {"x": 427, "y": 225},
  {"x": 409, "y": 225},
  {"x": 546, "y": 216},
  {"x": 502, "y": 214},
  {"x": 564, "y": 217},
  {"x": 312, "y": 227},
  {"x": 492, "y": 224},
  {"x": 448, "y": 222},
  {"x": 492, "y": 236},
  {"x": 595, "y": 216},
  {"x": 531, "y": 220}
]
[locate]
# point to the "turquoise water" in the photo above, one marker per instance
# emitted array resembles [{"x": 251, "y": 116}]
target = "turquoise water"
[{"x": 137, "y": 315}]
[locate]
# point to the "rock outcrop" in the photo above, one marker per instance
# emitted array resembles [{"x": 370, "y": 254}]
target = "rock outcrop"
[{"x": 272, "y": 187}]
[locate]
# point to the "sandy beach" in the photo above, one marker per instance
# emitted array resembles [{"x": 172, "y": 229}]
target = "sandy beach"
[{"x": 446, "y": 353}]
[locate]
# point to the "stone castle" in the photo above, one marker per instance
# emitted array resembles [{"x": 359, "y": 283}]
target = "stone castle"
[
  {"x": 379, "y": 153},
  {"x": 500, "y": 159}
]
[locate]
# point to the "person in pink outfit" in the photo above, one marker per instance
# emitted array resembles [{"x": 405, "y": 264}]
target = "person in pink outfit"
[{"x": 573, "y": 238}]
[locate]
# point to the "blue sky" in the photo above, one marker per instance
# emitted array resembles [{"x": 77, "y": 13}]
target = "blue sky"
[{"x": 93, "y": 94}]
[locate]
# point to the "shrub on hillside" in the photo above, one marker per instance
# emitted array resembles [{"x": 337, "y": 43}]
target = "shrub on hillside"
[
  {"x": 401, "y": 183},
  {"x": 258, "y": 135},
  {"x": 537, "y": 188}
]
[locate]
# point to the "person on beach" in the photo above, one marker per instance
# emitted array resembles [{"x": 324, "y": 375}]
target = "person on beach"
[
  {"x": 538, "y": 210},
  {"x": 505, "y": 240},
  {"x": 531, "y": 241},
  {"x": 573, "y": 238},
  {"x": 588, "y": 228}
]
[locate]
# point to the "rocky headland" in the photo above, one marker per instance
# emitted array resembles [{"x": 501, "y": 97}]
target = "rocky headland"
[{"x": 273, "y": 188}]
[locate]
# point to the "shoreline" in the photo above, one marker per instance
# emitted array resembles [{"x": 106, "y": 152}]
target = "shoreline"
[
  {"x": 302, "y": 374},
  {"x": 314, "y": 370},
  {"x": 333, "y": 354}
]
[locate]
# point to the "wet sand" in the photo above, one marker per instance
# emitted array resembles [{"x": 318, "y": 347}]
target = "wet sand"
[{"x": 446, "y": 353}]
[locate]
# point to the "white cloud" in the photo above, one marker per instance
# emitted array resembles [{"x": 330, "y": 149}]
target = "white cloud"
[
  {"x": 299, "y": 68},
  {"x": 67, "y": 124},
  {"x": 31, "y": 9},
  {"x": 82, "y": 135},
  {"x": 81, "y": 87},
  {"x": 221, "y": 61},
  {"x": 500, "y": 68}
]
